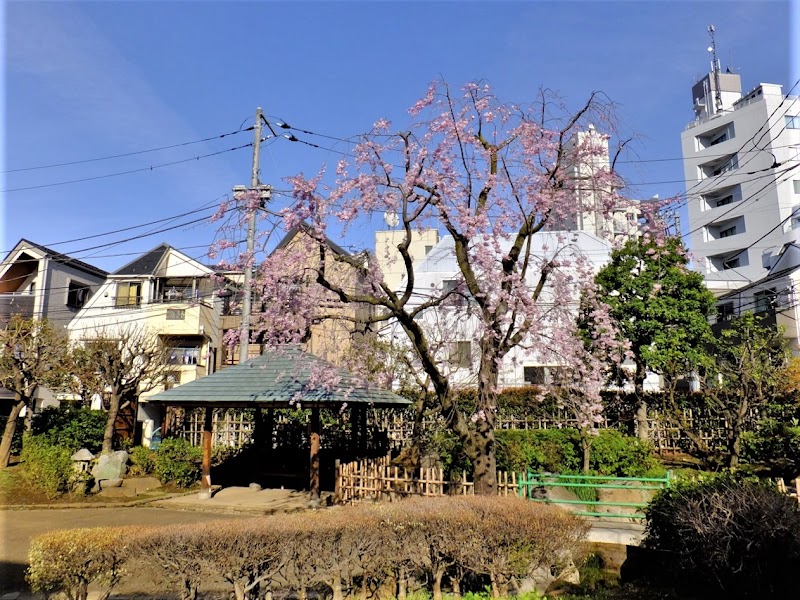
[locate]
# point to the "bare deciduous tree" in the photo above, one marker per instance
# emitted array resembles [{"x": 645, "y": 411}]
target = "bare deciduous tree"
[
  {"x": 31, "y": 355},
  {"x": 129, "y": 361}
]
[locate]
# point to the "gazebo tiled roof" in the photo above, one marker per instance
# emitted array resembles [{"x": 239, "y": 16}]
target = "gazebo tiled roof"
[{"x": 274, "y": 380}]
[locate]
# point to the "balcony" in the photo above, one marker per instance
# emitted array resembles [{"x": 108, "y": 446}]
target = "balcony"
[{"x": 13, "y": 303}]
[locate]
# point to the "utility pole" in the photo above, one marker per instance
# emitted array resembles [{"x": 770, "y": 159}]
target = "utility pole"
[{"x": 255, "y": 188}]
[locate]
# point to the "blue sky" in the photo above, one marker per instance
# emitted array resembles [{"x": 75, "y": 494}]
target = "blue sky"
[{"x": 87, "y": 80}]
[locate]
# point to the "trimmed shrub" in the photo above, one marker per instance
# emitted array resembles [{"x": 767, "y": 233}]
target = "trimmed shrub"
[
  {"x": 178, "y": 462},
  {"x": 774, "y": 444},
  {"x": 545, "y": 450},
  {"x": 620, "y": 455},
  {"x": 559, "y": 451},
  {"x": 71, "y": 560},
  {"x": 46, "y": 466},
  {"x": 71, "y": 428},
  {"x": 347, "y": 550},
  {"x": 741, "y": 538},
  {"x": 516, "y": 537},
  {"x": 143, "y": 460}
]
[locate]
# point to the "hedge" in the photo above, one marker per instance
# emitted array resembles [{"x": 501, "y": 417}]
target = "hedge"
[
  {"x": 737, "y": 538},
  {"x": 345, "y": 550},
  {"x": 559, "y": 451}
]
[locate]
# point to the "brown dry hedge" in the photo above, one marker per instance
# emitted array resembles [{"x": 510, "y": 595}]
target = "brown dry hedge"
[{"x": 338, "y": 551}]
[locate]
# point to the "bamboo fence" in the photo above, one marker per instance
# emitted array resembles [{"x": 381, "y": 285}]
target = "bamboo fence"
[
  {"x": 378, "y": 479},
  {"x": 793, "y": 489}
]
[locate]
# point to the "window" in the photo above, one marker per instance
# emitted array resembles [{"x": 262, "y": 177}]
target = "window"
[
  {"x": 719, "y": 139},
  {"x": 765, "y": 300},
  {"x": 533, "y": 375},
  {"x": 176, "y": 314},
  {"x": 77, "y": 294},
  {"x": 729, "y": 165},
  {"x": 727, "y": 232},
  {"x": 792, "y": 122},
  {"x": 725, "y": 312},
  {"x": 129, "y": 295},
  {"x": 723, "y": 201},
  {"x": 453, "y": 290},
  {"x": 461, "y": 354},
  {"x": 731, "y": 263},
  {"x": 796, "y": 184}
]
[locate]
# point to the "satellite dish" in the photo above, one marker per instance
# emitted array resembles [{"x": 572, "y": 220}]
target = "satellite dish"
[{"x": 391, "y": 218}]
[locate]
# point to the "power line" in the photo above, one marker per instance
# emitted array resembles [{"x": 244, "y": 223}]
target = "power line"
[
  {"x": 134, "y": 153},
  {"x": 141, "y": 170}
]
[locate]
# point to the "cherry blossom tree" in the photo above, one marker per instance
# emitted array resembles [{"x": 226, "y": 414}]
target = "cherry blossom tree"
[{"x": 496, "y": 179}]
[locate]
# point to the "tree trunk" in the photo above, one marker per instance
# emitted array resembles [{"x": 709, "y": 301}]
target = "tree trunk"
[
  {"x": 111, "y": 419},
  {"x": 336, "y": 588},
  {"x": 642, "y": 431},
  {"x": 483, "y": 442},
  {"x": 402, "y": 584},
  {"x": 437, "y": 583},
  {"x": 735, "y": 445},
  {"x": 189, "y": 590},
  {"x": 495, "y": 587},
  {"x": 455, "y": 584},
  {"x": 8, "y": 433},
  {"x": 586, "y": 447},
  {"x": 238, "y": 591}
]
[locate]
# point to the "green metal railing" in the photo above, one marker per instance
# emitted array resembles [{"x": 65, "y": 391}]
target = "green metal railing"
[{"x": 533, "y": 481}]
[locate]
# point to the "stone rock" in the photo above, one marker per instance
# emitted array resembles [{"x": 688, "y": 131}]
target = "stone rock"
[
  {"x": 110, "y": 483},
  {"x": 121, "y": 456},
  {"x": 255, "y": 487},
  {"x": 541, "y": 579},
  {"x": 111, "y": 466}
]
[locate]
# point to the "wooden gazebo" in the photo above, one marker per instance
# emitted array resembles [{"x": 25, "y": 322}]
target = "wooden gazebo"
[{"x": 279, "y": 378}]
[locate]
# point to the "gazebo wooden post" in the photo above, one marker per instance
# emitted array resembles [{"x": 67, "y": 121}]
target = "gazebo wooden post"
[
  {"x": 355, "y": 430},
  {"x": 269, "y": 429},
  {"x": 362, "y": 430},
  {"x": 205, "y": 480},
  {"x": 315, "y": 439},
  {"x": 258, "y": 427}
]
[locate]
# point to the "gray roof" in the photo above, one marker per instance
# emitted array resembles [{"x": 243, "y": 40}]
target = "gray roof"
[
  {"x": 305, "y": 227},
  {"x": 60, "y": 258},
  {"x": 145, "y": 264},
  {"x": 276, "y": 378}
]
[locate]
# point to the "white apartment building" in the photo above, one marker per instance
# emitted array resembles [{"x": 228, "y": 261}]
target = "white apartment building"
[
  {"x": 589, "y": 213},
  {"x": 453, "y": 329},
  {"x": 740, "y": 158}
]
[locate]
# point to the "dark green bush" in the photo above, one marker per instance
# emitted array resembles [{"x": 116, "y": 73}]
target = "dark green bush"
[
  {"x": 178, "y": 462},
  {"x": 46, "y": 466},
  {"x": 620, "y": 455},
  {"x": 741, "y": 538},
  {"x": 71, "y": 428},
  {"x": 143, "y": 460},
  {"x": 540, "y": 450},
  {"x": 774, "y": 444},
  {"x": 559, "y": 451}
]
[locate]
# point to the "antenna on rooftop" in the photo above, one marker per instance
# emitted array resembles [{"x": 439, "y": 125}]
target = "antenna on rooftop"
[{"x": 715, "y": 69}]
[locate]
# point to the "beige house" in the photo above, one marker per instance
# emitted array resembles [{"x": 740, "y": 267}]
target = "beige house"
[{"x": 330, "y": 337}]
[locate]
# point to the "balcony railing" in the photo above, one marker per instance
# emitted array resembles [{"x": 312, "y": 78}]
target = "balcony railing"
[
  {"x": 13, "y": 303},
  {"x": 183, "y": 356}
]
